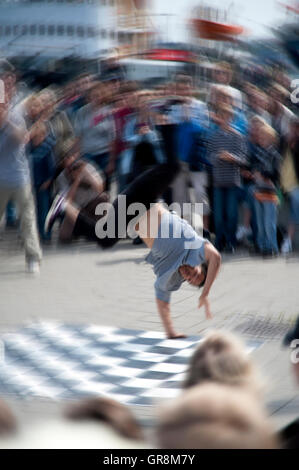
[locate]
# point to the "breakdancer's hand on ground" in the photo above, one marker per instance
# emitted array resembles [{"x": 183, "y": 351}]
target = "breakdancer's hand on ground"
[
  {"x": 164, "y": 311},
  {"x": 177, "y": 336},
  {"x": 204, "y": 302}
]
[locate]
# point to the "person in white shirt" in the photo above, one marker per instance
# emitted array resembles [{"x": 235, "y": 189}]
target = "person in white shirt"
[
  {"x": 281, "y": 116},
  {"x": 223, "y": 75}
]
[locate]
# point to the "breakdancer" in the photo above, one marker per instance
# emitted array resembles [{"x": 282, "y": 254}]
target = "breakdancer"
[{"x": 177, "y": 252}]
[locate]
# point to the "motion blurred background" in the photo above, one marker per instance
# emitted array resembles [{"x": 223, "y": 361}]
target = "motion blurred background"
[{"x": 50, "y": 40}]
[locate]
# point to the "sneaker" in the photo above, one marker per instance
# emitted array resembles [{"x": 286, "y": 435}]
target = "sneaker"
[
  {"x": 11, "y": 224},
  {"x": 206, "y": 234},
  {"x": 230, "y": 250},
  {"x": 137, "y": 241},
  {"x": 243, "y": 233},
  {"x": 269, "y": 254},
  {"x": 33, "y": 267},
  {"x": 286, "y": 246},
  {"x": 254, "y": 250},
  {"x": 56, "y": 209}
]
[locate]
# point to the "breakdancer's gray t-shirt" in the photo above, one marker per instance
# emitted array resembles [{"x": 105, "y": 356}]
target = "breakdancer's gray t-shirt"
[{"x": 176, "y": 244}]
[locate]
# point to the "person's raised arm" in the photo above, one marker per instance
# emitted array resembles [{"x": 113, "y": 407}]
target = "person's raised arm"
[
  {"x": 15, "y": 123},
  {"x": 213, "y": 260},
  {"x": 93, "y": 178},
  {"x": 239, "y": 158},
  {"x": 20, "y": 133},
  {"x": 77, "y": 178},
  {"x": 110, "y": 168}
]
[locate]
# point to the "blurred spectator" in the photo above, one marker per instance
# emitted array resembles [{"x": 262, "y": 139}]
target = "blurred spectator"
[
  {"x": 257, "y": 104},
  {"x": 16, "y": 93},
  {"x": 8, "y": 422},
  {"x": 249, "y": 227},
  {"x": 142, "y": 139},
  {"x": 111, "y": 69},
  {"x": 143, "y": 142},
  {"x": 110, "y": 411},
  {"x": 82, "y": 184},
  {"x": 192, "y": 119},
  {"x": 43, "y": 166},
  {"x": 56, "y": 120},
  {"x": 266, "y": 167},
  {"x": 75, "y": 95},
  {"x": 166, "y": 99},
  {"x": 222, "y": 358},
  {"x": 281, "y": 116},
  {"x": 70, "y": 101},
  {"x": 124, "y": 107},
  {"x": 191, "y": 148},
  {"x": 215, "y": 416},
  {"x": 282, "y": 78},
  {"x": 15, "y": 181},
  {"x": 94, "y": 126},
  {"x": 8, "y": 76},
  {"x": 227, "y": 152},
  {"x": 33, "y": 109},
  {"x": 223, "y": 75},
  {"x": 83, "y": 84},
  {"x": 224, "y": 96},
  {"x": 185, "y": 106},
  {"x": 91, "y": 426},
  {"x": 220, "y": 405},
  {"x": 290, "y": 184}
]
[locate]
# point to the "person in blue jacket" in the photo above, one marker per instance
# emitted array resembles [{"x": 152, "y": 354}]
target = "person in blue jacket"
[{"x": 43, "y": 168}]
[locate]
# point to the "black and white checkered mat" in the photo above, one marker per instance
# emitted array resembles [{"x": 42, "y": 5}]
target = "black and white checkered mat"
[{"x": 60, "y": 361}]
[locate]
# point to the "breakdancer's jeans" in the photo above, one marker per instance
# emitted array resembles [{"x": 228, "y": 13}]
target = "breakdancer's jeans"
[{"x": 145, "y": 189}]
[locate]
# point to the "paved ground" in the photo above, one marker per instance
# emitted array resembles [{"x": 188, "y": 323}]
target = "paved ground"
[{"x": 80, "y": 283}]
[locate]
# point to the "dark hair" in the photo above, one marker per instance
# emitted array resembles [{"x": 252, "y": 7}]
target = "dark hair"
[
  {"x": 184, "y": 79},
  {"x": 6, "y": 67},
  {"x": 129, "y": 87},
  {"x": 220, "y": 358},
  {"x": 204, "y": 268}
]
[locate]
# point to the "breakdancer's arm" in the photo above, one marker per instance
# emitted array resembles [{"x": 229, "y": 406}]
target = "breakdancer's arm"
[
  {"x": 213, "y": 260},
  {"x": 164, "y": 312}
]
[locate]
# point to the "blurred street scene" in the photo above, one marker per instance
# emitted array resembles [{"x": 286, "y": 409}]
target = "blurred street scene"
[{"x": 86, "y": 87}]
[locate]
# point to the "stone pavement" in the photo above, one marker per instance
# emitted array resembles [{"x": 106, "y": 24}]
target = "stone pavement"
[{"x": 81, "y": 284}]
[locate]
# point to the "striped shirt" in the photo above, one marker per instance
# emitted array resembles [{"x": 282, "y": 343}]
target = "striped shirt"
[{"x": 226, "y": 174}]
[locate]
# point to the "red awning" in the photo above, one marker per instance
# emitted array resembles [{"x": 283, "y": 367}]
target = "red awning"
[
  {"x": 217, "y": 31},
  {"x": 170, "y": 55}
]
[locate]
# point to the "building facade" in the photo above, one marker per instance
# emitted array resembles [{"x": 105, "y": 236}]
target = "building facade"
[{"x": 57, "y": 28}]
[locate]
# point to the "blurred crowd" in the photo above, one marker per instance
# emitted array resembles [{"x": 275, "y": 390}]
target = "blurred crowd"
[{"x": 237, "y": 140}]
